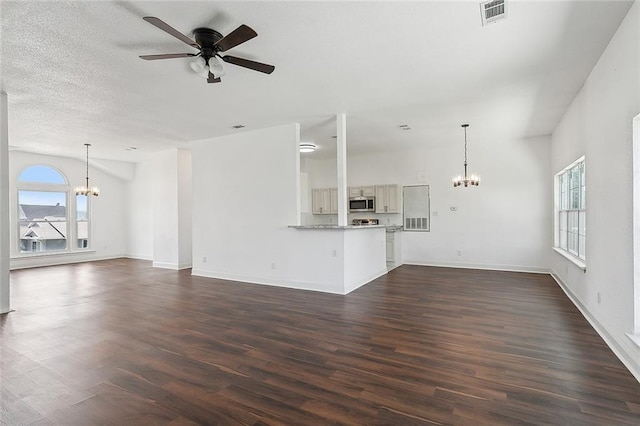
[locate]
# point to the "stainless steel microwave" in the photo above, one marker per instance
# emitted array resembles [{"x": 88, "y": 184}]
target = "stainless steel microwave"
[{"x": 362, "y": 204}]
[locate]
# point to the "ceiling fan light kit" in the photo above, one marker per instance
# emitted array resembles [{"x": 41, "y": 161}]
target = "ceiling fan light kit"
[{"x": 210, "y": 43}]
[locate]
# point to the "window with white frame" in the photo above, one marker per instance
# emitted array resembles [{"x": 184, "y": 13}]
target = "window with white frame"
[
  {"x": 570, "y": 232},
  {"x": 50, "y": 216}
]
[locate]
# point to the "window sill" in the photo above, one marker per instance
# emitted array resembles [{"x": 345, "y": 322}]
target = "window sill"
[
  {"x": 50, "y": 254},
  {"x": 578, "y": 262}
]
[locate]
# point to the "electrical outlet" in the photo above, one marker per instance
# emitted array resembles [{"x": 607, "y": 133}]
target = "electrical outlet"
[
  {"x": 274, "y": 266},
  {"x": 459, "y": 252},
  {"x": 334, "y": 253},
  {"x": 599, "y": 298},
  {"x": 204, "y": 259}
]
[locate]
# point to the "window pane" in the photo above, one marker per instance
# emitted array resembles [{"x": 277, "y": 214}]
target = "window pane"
[
  {"x": 573, "y": 232},
  {"x": 581, "y": 247},
  {"x": 582, "y": 225},
  {"x": 562, "y": 221},
  {"x": 563, "y": 240},
  {"x": 575, "y": 177},
  {"x": 82, "y": 225},
  {"x": 573, "y": 221},
  {"x": 562, "y": 225},
  {"x": 575, "y": 199},
  {"x": 573, "y": 243},
  {"x": 41, "y": 174},
  {"x": 42, "y": 221},
  {"x": 564, "y": 190}
]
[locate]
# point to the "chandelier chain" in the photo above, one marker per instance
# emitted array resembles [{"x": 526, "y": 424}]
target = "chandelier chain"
[
  {"x": 465, "y": 146},
  {"x": 88, "y": 145}
]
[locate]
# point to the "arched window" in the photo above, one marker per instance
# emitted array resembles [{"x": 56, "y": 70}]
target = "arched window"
[
  {"x": 42, "y": 174},
  {"x": 50, "y": 216}
]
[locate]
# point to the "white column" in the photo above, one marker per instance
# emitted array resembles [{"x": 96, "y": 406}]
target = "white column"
[
  {"x": 342, "y": 168},
  {"x": 171, "y": 194},
  {"x": 4, "y": 205},
  {"x": 184, "y": 209}
]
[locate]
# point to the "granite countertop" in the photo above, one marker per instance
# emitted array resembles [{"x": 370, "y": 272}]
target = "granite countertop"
[
  {"x": 389, "y": 228},
  {"x": 328, "y": 226}
]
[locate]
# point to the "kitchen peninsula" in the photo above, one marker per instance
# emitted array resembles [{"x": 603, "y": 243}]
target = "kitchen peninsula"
[{"x": 358, "y": 253}]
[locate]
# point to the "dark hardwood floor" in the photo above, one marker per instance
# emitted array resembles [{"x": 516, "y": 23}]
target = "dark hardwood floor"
[{"x": 118, "y": 342}]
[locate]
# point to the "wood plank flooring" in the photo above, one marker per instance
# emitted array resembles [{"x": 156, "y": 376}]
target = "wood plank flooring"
[{"x": 118, "y": 342}]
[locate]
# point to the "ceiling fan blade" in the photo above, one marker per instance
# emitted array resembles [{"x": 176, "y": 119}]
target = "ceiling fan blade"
[
  {"x": 167, "y": 56},
  {"x": 170, "y": 30},
  {"x": 236, "y": 37},
  {"x": 213, "y": 79},
  {"x": 256, "y": 66}
]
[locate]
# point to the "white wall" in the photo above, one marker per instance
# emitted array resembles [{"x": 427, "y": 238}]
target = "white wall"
[
  {"x": 245, "y": 195},
  {"x": 160, "y": 219},
  {"x": 139, "y": 199},
  {"x": 108, "y": 211},
  {"x": 502, "y": 224},
  {"x": 598, "y": 124}
]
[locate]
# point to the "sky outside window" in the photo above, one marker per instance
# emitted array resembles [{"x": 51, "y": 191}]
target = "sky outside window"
[{"x": 42, "y": 174}]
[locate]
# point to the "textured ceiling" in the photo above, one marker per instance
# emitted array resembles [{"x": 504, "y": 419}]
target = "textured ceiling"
[{"x": 72, "y": 73}]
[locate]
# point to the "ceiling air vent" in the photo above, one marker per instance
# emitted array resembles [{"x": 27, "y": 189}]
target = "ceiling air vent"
[{"x": 493, "y": 11}]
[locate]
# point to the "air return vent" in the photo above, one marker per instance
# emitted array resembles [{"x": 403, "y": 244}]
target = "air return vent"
[
  {"x": 416, "y": 223},
  {"x": 493, "y": 11}
]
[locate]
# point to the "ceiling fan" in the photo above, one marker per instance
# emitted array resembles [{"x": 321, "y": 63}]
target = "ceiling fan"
[{"x": 210, "y": 43}]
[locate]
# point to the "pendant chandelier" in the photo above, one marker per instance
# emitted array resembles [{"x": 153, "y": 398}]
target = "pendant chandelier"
[
  {"x": 474, "y": 179},
  {"x": 87, "y": 190}
]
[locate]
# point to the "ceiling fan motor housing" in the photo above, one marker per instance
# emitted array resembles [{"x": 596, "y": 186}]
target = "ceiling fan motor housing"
[{"x": 207, "y": 39}]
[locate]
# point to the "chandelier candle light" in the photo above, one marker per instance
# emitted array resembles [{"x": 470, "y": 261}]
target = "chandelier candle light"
[
  {"x": 87, "y": 190},
  {"x": 473, "y": 180}
]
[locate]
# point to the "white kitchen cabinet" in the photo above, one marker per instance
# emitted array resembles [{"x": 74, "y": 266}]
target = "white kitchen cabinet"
[
  {"x": 387, "y": 198},
  {"x": 333, "y": 202},
  {"x": 390, "y": 246},
  {"x": 362, "y": 191},
  {"x": 394, "y": 247},
  {"x": 324, "y": 201}
]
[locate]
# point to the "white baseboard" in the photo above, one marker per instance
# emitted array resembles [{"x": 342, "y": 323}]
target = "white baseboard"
[
  {"x": 295, "y": 284},
  {"x": 632, "y": 364},
  {"x": 364, "y": 281},
  {"x": 174, "y": 266},
  {"x": 54, "y": 260},
  {"x": 506, "y": 268},
  {"x": 138, "y": 257}
]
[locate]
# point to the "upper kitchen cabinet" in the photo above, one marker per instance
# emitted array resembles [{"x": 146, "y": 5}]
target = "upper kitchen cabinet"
[
  {"x": 333, "y": 204},
  {"x": 362, "y": 191},
  {"x": 387, "y": 198},
  {"x": 324, "y": 201}
]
